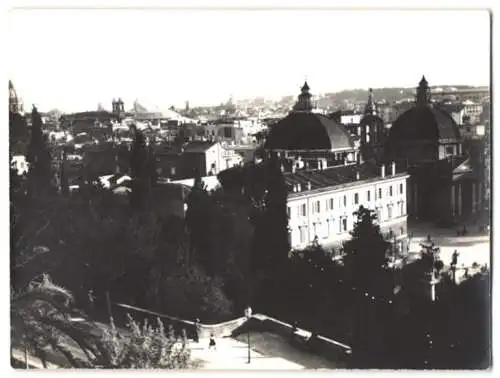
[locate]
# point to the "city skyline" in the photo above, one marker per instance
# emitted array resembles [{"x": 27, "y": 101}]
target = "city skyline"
[{"x": 164, "y": 60}]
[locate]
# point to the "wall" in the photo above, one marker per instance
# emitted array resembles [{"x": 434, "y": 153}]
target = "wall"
[
  {"x": 211, "y": 182},
  {"x": 331, "y": 349},
  {"x": 326, "y": 347},
  {"x": 327, "y": 223}
]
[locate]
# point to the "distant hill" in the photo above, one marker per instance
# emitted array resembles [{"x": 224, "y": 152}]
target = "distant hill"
[{"x": 390, "y": 94}]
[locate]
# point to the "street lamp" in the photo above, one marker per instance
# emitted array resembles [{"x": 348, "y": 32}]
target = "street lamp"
[{"x": 248, "y": 315}]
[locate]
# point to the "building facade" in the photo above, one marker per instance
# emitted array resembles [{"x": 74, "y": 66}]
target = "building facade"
[
  {"x": 321, "y": 203},
  {"x": 445, "y": 180}
]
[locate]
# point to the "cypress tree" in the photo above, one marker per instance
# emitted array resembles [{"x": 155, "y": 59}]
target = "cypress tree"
[
  {"x": 142, "y": 167},
  {"x": 38, "y": 156},
  {"x": 270, "y": 247}
]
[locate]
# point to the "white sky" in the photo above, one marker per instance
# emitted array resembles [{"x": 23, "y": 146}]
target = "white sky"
[{"x": 73, "y": 59}]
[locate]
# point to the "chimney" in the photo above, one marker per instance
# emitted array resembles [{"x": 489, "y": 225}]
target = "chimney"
[
  {"x": 357, "y": 176},
  {"x": 382, "y": 171},
  {"x": 393, "y": 166},
  {"x": 294, "y": 188},
  {"x": 345, "y": 160},
  {"x": 309, "y": 185},
  {"x": 299, "y": 188}
]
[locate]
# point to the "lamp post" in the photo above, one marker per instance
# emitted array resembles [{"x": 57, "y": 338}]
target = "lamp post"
[{"x": 248, "y": 315}]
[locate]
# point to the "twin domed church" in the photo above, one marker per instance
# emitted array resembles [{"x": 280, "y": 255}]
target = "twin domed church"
[{"x": 424, "y": 141}]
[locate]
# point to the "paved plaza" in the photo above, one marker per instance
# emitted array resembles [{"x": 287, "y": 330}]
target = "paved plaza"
[
  {"x": 269, "y": 352},
  {"x": 472, "y": 248}
]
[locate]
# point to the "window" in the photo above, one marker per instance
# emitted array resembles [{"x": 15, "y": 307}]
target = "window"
[
  {"x": 367, "y": 138},
  {"x": 326, "y": 229},
  {"x": 402, "y": 208},
  {"x": 316, "y": 207},
  {"x": 288, "y": 211},
  {"x": 303, "y": 234},
  {"x": 379, "y": 214},
  {"x": 356, "y": 198},
  {"x": 303, "y": 210},
  {"x": 331, "y": 203},
  {"x": 345, "y": 201},
  {"x": 379, "y": 193},
  {"x": 344, "y": 224},
  {"x": 402, "y": 231},
  {"x": 389, "y": 211},
  {"x": 401, "y": 188},
  {"x": 368, "y": 195},
  {"x": 390, "y": 191},
  {"x": 450, "y": 150}
]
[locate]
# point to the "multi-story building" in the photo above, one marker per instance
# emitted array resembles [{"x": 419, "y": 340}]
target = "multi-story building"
[
  {"x": 321, "y": 203},
  {"x": 472, "y": 111},
  {"x": 195, "y": 158}
]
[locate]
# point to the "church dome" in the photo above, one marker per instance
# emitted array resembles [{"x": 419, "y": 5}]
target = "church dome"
[
  {"x": 304, "y": 130},
  {"x": 308, "y": 131},
  {"x": 427, "y": 123}
]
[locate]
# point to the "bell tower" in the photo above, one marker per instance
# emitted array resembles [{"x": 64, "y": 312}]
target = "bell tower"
[
  {"x": 423, "y": 93},
  {"x": 304, "y": 103},
  {"x": 118, "y": 108},
  {"x": 371, "y": 107},
  {"x": 13, "y": 99}
]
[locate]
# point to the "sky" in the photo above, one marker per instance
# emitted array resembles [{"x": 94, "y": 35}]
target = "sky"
[{"x": 74, "y": 59}]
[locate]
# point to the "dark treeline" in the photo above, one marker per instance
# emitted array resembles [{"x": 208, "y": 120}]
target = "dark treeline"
[{"x": 231, "y": 251}]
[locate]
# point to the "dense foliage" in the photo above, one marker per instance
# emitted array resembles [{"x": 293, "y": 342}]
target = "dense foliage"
[
  {"x": 40, "y": 173},
  {"x": 232, "y": 250}
]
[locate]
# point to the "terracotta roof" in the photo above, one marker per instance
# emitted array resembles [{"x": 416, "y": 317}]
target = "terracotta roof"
[{"x": 308, "y": 131}]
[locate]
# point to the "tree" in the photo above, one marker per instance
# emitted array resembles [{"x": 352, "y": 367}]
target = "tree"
[
  {"x": 142, "y": 347},
  {"x": 270, "y": 247},
  {"x": 143, "y": 169},
  {"x": 365, "y": 254},
  {"x": 40, "y": 322},
  {"x": 18, "y": 134},
  {"x": 189, "y": 295},
  {"x": 365, "y": 262},
  {"x": 38, "y": 156},
  {"x": 198, "y": 220}
]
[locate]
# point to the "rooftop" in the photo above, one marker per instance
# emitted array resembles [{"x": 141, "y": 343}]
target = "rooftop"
[
  {"x": 198, "y": 146},
  {"x": 337, "y": 176}
]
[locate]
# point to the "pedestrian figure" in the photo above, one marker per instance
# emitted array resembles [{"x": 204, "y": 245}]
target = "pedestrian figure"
[
  {"x": 294, "y": 329},
  {"x": 454, "y": 258},
  {"x": 197, "y": 331},
  {"x": 212, "y": 344}
]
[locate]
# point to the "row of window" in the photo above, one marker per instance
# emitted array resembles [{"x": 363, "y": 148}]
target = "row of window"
[
  {"x": 323, "y": 230},
  {"x": 329, "y": 228},
  {"x": 329, "y": 203}
]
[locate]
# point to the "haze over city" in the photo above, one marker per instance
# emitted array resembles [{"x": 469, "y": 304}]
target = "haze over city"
[{"x": 78, "y": 58}]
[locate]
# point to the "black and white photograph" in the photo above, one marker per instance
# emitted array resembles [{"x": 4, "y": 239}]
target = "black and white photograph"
[{"x": 257, "y": 189}]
